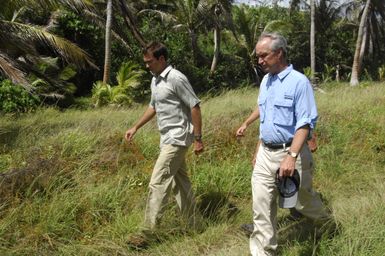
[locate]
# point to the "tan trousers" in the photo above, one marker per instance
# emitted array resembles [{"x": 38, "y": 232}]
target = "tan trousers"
[
  {"x": 263, "y": 240},
  {"x": 170, "y": 173}
]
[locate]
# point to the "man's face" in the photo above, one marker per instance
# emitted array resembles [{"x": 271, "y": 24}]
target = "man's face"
[
  {"x": 156, "y": 66},
  {"x": 268, "y": 59}
]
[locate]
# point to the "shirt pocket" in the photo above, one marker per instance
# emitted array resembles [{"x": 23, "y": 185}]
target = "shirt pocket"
[{"x": 284, "y": 112}]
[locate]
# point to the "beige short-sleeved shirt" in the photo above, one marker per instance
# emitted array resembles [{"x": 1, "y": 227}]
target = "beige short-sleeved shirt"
[{"x": 172, "y": 97}]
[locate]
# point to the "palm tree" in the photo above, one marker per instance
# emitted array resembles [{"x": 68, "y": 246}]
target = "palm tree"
[
  {"x": 189, "y": 16},
  {"x": 195, "y": 15},
  {"x": 107, "y": 47},
  {"x": 220, "y": 17},
  {"x": 130, "y": 21},
  {"x": 128, "y": 78},
  {"x": 294, "y": 4},
  {"x": 94, "y": 12},
  {"x": 369, "y": 30},
  {"x": 20, "y": 43},
  {"x": 360, "y": 45},
  {"x": 247, "y": 27},
  {"x": 312, "y": 40},
  {"x": 323, "y": 14}
]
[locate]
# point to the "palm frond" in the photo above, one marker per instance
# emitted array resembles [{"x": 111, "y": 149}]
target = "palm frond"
[
  {"x": 70, "y": 52},
  {"x": 129, "y": 74},
  {"x": 11, "y": 70},
  {"x": 164, "y": 16},
  {"x": 78, "y": 5},
  {"x": 116, "y": 32},
  {"x": 278, "y": 26},
  {"x": 101, "y": 93}
]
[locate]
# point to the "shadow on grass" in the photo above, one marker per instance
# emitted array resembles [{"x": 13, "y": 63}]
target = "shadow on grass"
[
  {"x": 306, "y": 232},
  {"x": 213, "y": 207},
  {"x": 8, "y": 136},
  {"x": 41, "y": 176},
  {"x": 216, "y": 206}
]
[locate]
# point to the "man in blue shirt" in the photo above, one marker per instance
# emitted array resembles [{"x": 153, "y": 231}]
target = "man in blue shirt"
[{"x": 287, "y": 112}]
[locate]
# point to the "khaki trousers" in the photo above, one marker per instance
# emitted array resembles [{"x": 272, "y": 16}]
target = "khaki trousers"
[
  {"x": 263, "y": 240},
  {"x": 170, "y": 173}
]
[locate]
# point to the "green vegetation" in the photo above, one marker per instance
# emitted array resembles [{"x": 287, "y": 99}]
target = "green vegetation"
[
  {"x": 128, "y": 88},
  {"x": 70, "y": 185},
  {"x": 15, "y": 99},
  {"x": 58, "y": 50}
]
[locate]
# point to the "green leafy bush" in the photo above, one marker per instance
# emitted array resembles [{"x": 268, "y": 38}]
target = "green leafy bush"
[
  {"x": 327, "y": 74},
  {"x": 307, "y": 72},
  {"x": 101, "y": 94},
  {"x": 14, "y": 98},
  {"x": 129, "y": 79}
]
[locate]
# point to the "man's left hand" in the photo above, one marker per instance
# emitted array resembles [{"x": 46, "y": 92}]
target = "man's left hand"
[{"x": 198, "y": 147}]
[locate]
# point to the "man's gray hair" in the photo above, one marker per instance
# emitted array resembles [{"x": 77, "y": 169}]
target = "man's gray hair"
[{"x": 278, "y": 41}]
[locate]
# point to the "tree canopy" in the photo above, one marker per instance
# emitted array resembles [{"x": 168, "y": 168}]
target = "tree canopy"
[{"x": 212, "y": 41}]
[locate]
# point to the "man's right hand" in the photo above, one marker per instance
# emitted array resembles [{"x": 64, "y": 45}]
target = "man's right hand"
[
  {"x": 241, "y": 131},
  {"x": 130, "y": 134},
  {"x": 198, "y": 147}
]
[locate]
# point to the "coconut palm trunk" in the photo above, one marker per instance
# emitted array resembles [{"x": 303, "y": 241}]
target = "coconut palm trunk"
[
  {"x": 356, "y": 68},
  {"x": 130, "y": 22},
  {"x": 217, "y": 43},
  {"x": 107, "y": 51},
  {"x": 199, "y": 59},
  {"x": 363, "y": 45},
  {"x": 312, "y": 40}
]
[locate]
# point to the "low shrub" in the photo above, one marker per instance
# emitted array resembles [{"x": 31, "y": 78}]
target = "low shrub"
[{"x": 14, "y": 98}]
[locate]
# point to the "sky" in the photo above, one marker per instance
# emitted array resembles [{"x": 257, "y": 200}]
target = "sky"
[{"x": 255, "y": 2}]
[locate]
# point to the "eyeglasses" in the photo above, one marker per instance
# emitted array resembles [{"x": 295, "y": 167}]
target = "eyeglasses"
[{"x": 264, "y": 55}]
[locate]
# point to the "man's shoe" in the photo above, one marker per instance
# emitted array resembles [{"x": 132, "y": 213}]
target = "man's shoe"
[
  {"x": 295, "y": 215},
  {"x": 143, "y": 239},
  {"x": 247, "y": 228},
  {"x": 138, "y": 241}
]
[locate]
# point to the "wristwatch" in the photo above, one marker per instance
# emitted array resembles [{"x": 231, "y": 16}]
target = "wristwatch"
[
  {"x": 292, "y": 154},
  {"x": 198, "y": 137}
]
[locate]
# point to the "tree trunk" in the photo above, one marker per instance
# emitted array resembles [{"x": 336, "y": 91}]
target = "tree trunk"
[
  {"x": 107, "y": 49},
  {"x": 356, "y": 68},
  {"x": 363, "y": 45},
  {"x": 312, "y": 40},
  {"x": 217, "y": 45},
  {"x": 130, "y": 22},
  {"x": 197, "y": 55}
]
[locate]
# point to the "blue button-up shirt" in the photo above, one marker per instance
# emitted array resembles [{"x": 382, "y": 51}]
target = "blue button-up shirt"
[{"x": 286, "y": 102}]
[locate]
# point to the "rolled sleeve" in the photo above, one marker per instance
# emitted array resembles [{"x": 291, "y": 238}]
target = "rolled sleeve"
[
  {"x": 303, "y": 122},
  {"x": 305, "y": 109}
]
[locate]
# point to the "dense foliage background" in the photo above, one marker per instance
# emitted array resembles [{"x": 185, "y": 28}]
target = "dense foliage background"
[{"x": 57, "y": 50}]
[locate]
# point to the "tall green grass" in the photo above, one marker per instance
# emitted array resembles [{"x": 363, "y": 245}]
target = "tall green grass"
[{"x": 70, "y": 184}]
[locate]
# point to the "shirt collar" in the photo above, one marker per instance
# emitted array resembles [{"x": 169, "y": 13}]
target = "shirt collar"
[
  {"x": 165, "y": 72},
  {"x": 281, "y": 75}
]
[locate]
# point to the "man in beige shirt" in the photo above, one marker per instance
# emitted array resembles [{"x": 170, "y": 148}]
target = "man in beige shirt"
[{"x": 177, "y": 109}]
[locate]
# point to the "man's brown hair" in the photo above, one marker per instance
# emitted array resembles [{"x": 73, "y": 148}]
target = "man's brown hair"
[{"x": 157, "y": 49}]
